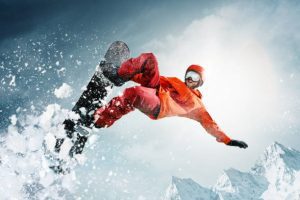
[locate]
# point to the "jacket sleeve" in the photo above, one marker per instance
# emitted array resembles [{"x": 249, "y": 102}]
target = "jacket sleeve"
[{"x": 201, "y": 115}]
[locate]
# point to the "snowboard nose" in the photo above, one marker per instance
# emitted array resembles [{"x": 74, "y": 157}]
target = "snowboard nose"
[{"x": 117, "y": 53}]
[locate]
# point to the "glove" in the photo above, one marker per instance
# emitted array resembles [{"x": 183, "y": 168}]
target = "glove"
[{"x": 238, "y": 143}]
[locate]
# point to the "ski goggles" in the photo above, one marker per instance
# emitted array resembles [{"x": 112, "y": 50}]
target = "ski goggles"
[{"x": 192, "y": 75}]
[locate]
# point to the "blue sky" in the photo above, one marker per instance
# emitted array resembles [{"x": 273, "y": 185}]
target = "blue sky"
[{"x": 250, "y": 51}]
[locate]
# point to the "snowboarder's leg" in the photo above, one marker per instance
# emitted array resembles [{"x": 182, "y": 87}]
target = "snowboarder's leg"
[
  {"x": 142, "y": 98},
  {"x": 143, "y": 69}
]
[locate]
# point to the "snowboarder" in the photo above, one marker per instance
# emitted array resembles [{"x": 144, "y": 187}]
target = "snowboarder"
[{"x": 159, "y": 96}]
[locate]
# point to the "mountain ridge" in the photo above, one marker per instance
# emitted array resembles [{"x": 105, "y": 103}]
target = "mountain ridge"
[{"x": 275, "y": 175}]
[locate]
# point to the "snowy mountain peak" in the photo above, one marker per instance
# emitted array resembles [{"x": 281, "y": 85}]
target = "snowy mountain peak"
[
  {"x": 281, "y": 167},
  {"x": 234, "y": 184},
  {"x": 279, "y": 149},
  {"x": 187, "y": 189},
  {"x": 276, "y": 175},
  {"x": 278, "y": 156},
  {"x": 179, "y": 181}
]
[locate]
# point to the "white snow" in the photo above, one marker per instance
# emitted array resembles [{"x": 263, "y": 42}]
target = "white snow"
[
  {"x": 78, "y": 62},
  {"x": 234, "y": 184},
  {"x": 187, "y": 189},
  {"x": 13, "y": 120},
  {"x": 281, "y": 167},
  {"x": 63, "y": 91},
  {"x": 24, "y": 169},
  {"x": 13, "y": 81},
  {"x": 61, "y": 71},
  {"x": 276, "y": 175}
]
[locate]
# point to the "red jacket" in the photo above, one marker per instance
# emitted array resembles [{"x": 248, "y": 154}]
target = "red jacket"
[
  {"x": 179, "y": 100},
  {"x": 176, "y": 98}
]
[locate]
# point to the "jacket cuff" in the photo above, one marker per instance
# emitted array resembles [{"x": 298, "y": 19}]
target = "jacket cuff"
[{"x": 226, "y": 140}]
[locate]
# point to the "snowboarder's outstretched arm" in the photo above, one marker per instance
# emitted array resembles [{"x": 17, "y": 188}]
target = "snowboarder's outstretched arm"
[{"x": 201, "y": 115}]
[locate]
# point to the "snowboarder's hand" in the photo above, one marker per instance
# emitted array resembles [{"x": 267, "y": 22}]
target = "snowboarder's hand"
[{"x": 238, "y": 143}]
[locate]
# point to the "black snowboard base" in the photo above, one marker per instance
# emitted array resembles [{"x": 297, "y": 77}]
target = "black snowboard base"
[{"x": 104, "y": 78}]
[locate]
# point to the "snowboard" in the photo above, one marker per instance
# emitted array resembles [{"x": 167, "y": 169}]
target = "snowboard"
[{"x": 90, "y": 100}]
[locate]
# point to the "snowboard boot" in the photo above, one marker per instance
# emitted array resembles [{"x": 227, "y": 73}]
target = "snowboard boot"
[{"x": 110, "y": 71}]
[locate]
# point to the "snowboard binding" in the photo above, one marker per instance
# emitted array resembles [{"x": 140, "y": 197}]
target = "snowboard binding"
[{"x": 110, "y": 71}]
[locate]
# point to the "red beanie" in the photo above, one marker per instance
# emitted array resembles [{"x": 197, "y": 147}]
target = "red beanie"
[{"x": 196, "y": 68}]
